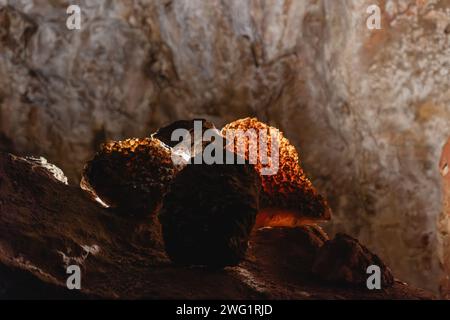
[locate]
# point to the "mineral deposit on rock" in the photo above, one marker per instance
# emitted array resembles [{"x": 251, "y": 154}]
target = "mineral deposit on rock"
[
  {"x": 131, "y": 175},
  {"x": 288, "y": 197}
]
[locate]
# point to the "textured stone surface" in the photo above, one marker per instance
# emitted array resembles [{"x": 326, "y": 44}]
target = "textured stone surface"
[
  {"x": 294, "y": 248},
  {"x": 288, "y": 198},
  {"x": 444, "y": 222},
  {"x": 131, "y": 175},
  {"x": 344, "y": 260},
  {"x": 41, "y": 162},
  {"x": 164, "y": 134},
  {"x": 209, "y": 212},
  {"x": 46, "y": 225},
  {"x": 368, "y": 110},
  {"x": 389, "y": 115}
]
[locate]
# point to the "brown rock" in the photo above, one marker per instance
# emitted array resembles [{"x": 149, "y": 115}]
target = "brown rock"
[
  {"x": 288, "y": 250},
  {"x": 188, "y": 143},
  {"x": 209, "y": 212},
  {"x": 444, "y": 222},
  {"x": 46, "y": 224},
  {"x": 344, "y": 260},
  {"x": 164, "y": 134},
  {"x": 365, "y": 128},
  {"x": 41, "y": 162},
  {"x": 130, "y": 175},
  {"x": 288, "y": 197}
]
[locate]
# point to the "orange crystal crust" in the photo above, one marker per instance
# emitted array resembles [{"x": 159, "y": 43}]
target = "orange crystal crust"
[
  {"x": 131, "y": 175},
  {"x": 288, "y": 197}
]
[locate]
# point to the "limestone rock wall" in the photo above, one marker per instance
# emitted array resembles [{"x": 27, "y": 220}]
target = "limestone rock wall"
[
  {"x": 444, "y": 222},
  {"x": 390, "y": 113},
  {"x": 369, "y": 110}
]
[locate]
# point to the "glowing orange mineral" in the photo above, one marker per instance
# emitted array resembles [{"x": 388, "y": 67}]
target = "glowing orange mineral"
[
  {"x": 288, "y": 197},
  {"x": 131, "y": 175}
]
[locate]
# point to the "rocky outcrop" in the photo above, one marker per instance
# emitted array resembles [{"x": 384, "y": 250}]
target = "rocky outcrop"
[
  {"x": 344, "y": 260},
  {"x": 46, "y": 225},
  {"x": 368, "y": 109}
]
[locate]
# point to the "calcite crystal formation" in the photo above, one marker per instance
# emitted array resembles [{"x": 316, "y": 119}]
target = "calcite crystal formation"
[
  {"x": 209, "y": 212},
  {"x": 288, "y": 197},
  {"x": 131, "y": 175}
]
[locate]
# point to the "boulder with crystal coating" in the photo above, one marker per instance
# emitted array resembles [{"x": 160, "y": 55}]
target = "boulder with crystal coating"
[{"x": 130, "y": 175}]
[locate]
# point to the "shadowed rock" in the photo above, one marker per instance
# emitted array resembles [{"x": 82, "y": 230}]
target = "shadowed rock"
[
  {"x": 344, "y": 260},
  {"x": 294, "y": 249},
  {"x": 164, "y": 134},
  {"x": 131, "y": 175},
  {"x": 209, "y": 212},
  {"x": 46, "y": 225}
]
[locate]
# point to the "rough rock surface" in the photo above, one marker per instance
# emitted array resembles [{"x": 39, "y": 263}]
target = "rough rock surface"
[
  {"x": 369, "y": 109},
  {"x": 46, "y": 225},
  {"x": 165, "y": 133},
  {"x": 131, "y": 175},
  {"x": 209, "y": 212},
  {"x": 344, "y": 260},
  {"x": 294, "y": 248},
  {"x": 193, "y": 141},
  {"x": 288, "y": 197},
  {"x": 444, "y": 222},
  {"x": 42, "y": 162}
]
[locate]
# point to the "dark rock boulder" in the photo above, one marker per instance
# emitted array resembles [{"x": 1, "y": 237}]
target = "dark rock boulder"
[
  {"x": 209, "y": 212},
  {"x": 294, "y": 249},
  {"x": 344, "y": 260},
  {"x": 164, "y": 134}
]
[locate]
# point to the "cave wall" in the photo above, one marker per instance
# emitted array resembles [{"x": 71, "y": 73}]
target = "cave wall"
[
  {"x": 444, "y": 222},
  {"x": 369, "y": 110},
  {"x": 390, "y": 105}
]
